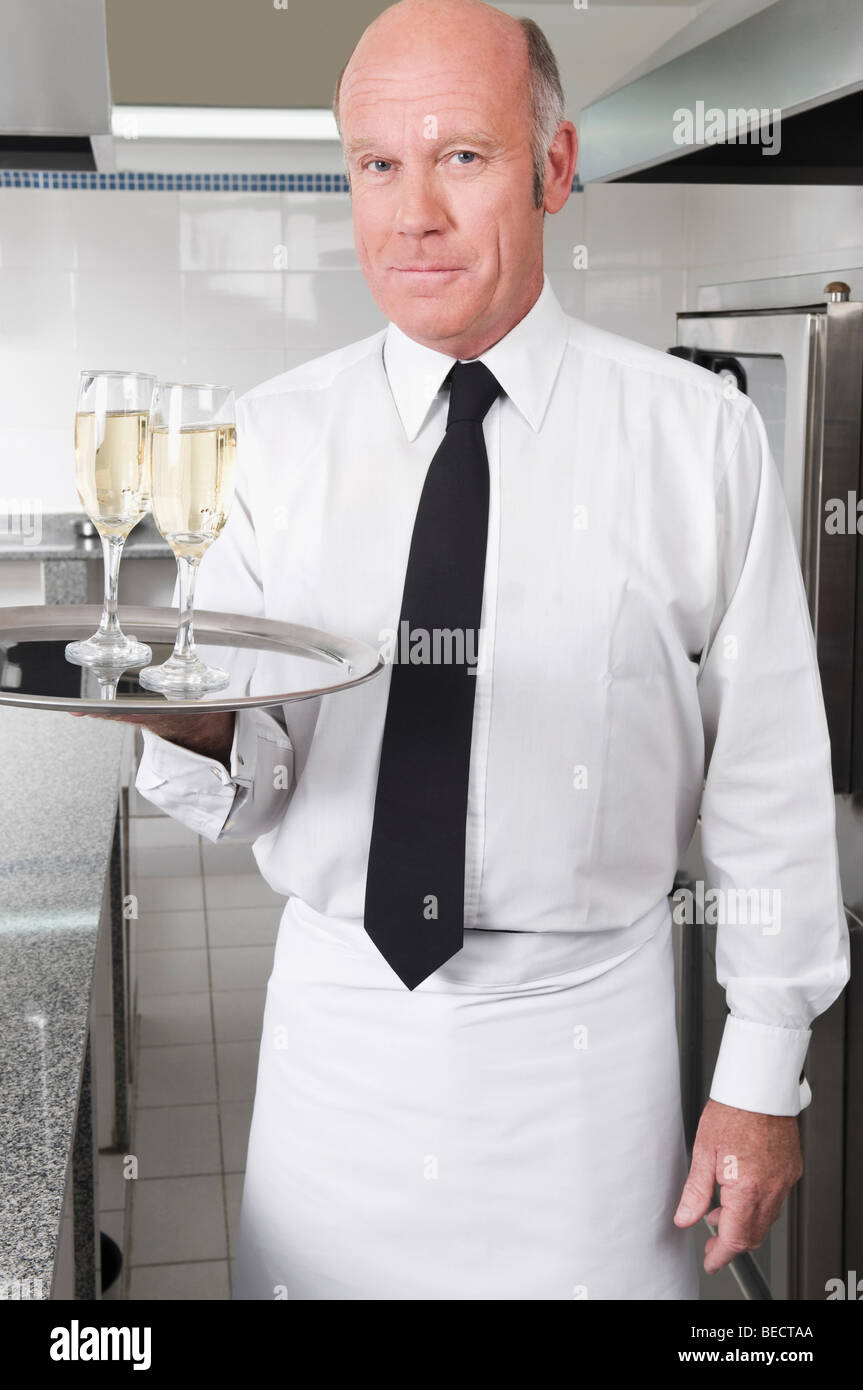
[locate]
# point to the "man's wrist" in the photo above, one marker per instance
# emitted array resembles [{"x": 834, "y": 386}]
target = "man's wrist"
[{"x": 211, "y": 735}]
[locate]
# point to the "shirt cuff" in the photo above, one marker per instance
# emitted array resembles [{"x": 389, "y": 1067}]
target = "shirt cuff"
[
  {"x": 262, "y": 771},
  {"x": 760, "y": 1068},
  {"x": 193, "y": 789},
  {"x": 209, "y": 798}
]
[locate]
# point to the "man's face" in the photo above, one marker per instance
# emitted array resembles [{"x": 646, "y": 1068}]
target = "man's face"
[{"x": 437, "y": 139}]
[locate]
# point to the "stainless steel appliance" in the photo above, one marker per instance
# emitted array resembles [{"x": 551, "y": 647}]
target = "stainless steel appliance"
[
  {"x": 799, "y": 356},
  {"x": 773, "y": 90}
]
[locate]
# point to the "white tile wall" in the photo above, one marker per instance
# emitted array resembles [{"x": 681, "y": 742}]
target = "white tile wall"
[
  {"x": 240, "y": 307},
  {"x": 226, "y": 231},
  {"x": 635, "y": 226},
  {"x": 239, "y": 287},
  {"x": 753, "y": 233}
]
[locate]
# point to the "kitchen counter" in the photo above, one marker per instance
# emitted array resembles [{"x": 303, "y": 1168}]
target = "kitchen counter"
[
  {"x": 58, "y": 566},
  {"x": 59, "y": 541},
  {"x": 60, "y": 785}
]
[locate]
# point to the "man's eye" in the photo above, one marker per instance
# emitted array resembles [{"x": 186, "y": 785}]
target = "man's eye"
[
  {"x": 466, "y": 154},
  {"x": 372, "y": 162}
]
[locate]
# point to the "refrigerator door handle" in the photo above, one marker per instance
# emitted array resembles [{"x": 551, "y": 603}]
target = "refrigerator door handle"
[{"x": 714, "y": 362}]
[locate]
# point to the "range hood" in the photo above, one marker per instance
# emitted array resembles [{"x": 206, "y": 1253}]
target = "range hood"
[
  {"x": 54, "y": 86},
  {"x": 785, "y": 82}
]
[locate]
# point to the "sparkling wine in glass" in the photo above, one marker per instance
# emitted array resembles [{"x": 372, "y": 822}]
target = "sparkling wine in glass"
[
  {"x": 112, "y": 475},
  {"x": 193, "y": 443}
]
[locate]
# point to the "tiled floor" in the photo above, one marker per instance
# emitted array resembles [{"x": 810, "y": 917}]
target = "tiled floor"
[{"x": 205, "y": 931}]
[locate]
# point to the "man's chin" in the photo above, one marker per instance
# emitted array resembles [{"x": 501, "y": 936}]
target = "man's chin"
[{"x": 433, "y": 316}]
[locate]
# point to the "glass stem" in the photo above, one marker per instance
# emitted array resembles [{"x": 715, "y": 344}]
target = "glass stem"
[
  {"x": 112, "y": 550},
  {"x": 187, "y": 569}
]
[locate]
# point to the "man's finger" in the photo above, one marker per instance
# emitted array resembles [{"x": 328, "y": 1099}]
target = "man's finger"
[
  {"x": 731, "y": 1239},
  {"x": 740, "y": 1225},
  {"x": 717, "y": 1254},
  {"x": 697, "y": 1193}
]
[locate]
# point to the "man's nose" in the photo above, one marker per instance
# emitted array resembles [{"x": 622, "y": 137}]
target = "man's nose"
[{"x": 419, "y": 207}]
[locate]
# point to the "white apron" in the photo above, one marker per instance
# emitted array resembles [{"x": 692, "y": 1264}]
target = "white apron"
[{"x": 469, "y": 1139}]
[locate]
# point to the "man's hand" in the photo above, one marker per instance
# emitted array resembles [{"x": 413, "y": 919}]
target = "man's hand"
[
  {"x": 756, "y": 1160},
  {"x": 209, "y": 734}
]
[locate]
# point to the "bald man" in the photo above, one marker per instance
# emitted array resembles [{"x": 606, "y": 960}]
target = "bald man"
[{"x": 468, "y": 1080}]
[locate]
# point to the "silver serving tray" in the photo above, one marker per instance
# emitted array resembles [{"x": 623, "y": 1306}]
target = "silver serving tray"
[{"x": 270, "y": 663}]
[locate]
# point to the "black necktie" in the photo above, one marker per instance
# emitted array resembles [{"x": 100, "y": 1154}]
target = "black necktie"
[{"x": 414, "y": 908}]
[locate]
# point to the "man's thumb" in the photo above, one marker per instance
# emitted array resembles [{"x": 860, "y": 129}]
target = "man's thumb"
[{"x": 697, "y": 1197}]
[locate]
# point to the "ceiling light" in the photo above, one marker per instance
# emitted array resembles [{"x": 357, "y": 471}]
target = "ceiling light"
[{"x": 221, "y": 123}]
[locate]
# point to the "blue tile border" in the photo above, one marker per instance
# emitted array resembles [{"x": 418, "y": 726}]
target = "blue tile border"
[{"x": 137, "y": 182}]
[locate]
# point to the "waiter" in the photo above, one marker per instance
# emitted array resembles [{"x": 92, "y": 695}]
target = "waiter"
[{"x": 577, "y": 554}]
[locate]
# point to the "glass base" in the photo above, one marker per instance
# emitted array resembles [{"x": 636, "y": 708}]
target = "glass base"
[
  {"x": 183, "y": 677},
  {"x": 119, "y": 651}
]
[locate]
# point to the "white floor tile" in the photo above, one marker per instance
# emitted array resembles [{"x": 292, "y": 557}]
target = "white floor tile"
[
  {"x": 171, "y": 931},
  {"x": 245, "y": 926},
  {"x": 237, "y": 1065},
  {"x": 238, "y": 1014},
  {"x": 176, "y": 1141},
  {"x": 235, "y": 1117},
  {"x": 165, "y": 861},
  {"x": 168, "y": 894},
  {"x": 177, "y": 1075},
  {"x": 228, "y": 858},
  {"x": 240, "y": 967},
  {"x": 175, "y": 1018},
  {"x": 140, "y": 807},
  {"x": 172, "y": 972},
  {"x": 233, "y": 1200},
  {"x": 204, "y": 1280},
  {"x": 153, "y": 832},
  {"x": 194, "y": 1100},
  {"x": 178, "y": 1220},
  {"x": 240, "y": 890}
]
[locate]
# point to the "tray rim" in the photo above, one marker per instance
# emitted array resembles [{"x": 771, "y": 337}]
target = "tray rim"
[{"x": 347, "y": 652}]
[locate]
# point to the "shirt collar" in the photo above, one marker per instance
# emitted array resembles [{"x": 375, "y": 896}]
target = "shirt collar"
[{"x": 525, "y": 362}]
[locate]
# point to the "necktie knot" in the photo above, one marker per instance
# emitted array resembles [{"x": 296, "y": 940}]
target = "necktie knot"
[{"x": 473, "y": 391}]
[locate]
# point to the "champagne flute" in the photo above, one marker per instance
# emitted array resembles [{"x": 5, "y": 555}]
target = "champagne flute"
[
  {"x": 112, "y": 468},
  {"x": 193, "y": 442}
]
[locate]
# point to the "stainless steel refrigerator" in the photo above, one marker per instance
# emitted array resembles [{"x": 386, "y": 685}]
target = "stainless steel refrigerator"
[{"x": 797, "y": 351}]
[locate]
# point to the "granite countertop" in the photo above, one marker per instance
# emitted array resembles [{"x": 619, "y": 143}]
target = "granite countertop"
[
  {"x": 60, "y": 783},
  {"x": 58, "y": 540}
]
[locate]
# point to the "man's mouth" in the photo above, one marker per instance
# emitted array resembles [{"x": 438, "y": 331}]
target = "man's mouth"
[{"x": 426, "y": 269}]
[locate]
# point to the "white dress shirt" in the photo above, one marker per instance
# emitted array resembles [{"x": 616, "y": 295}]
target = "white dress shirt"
[{"x": 647, "y": 655}]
